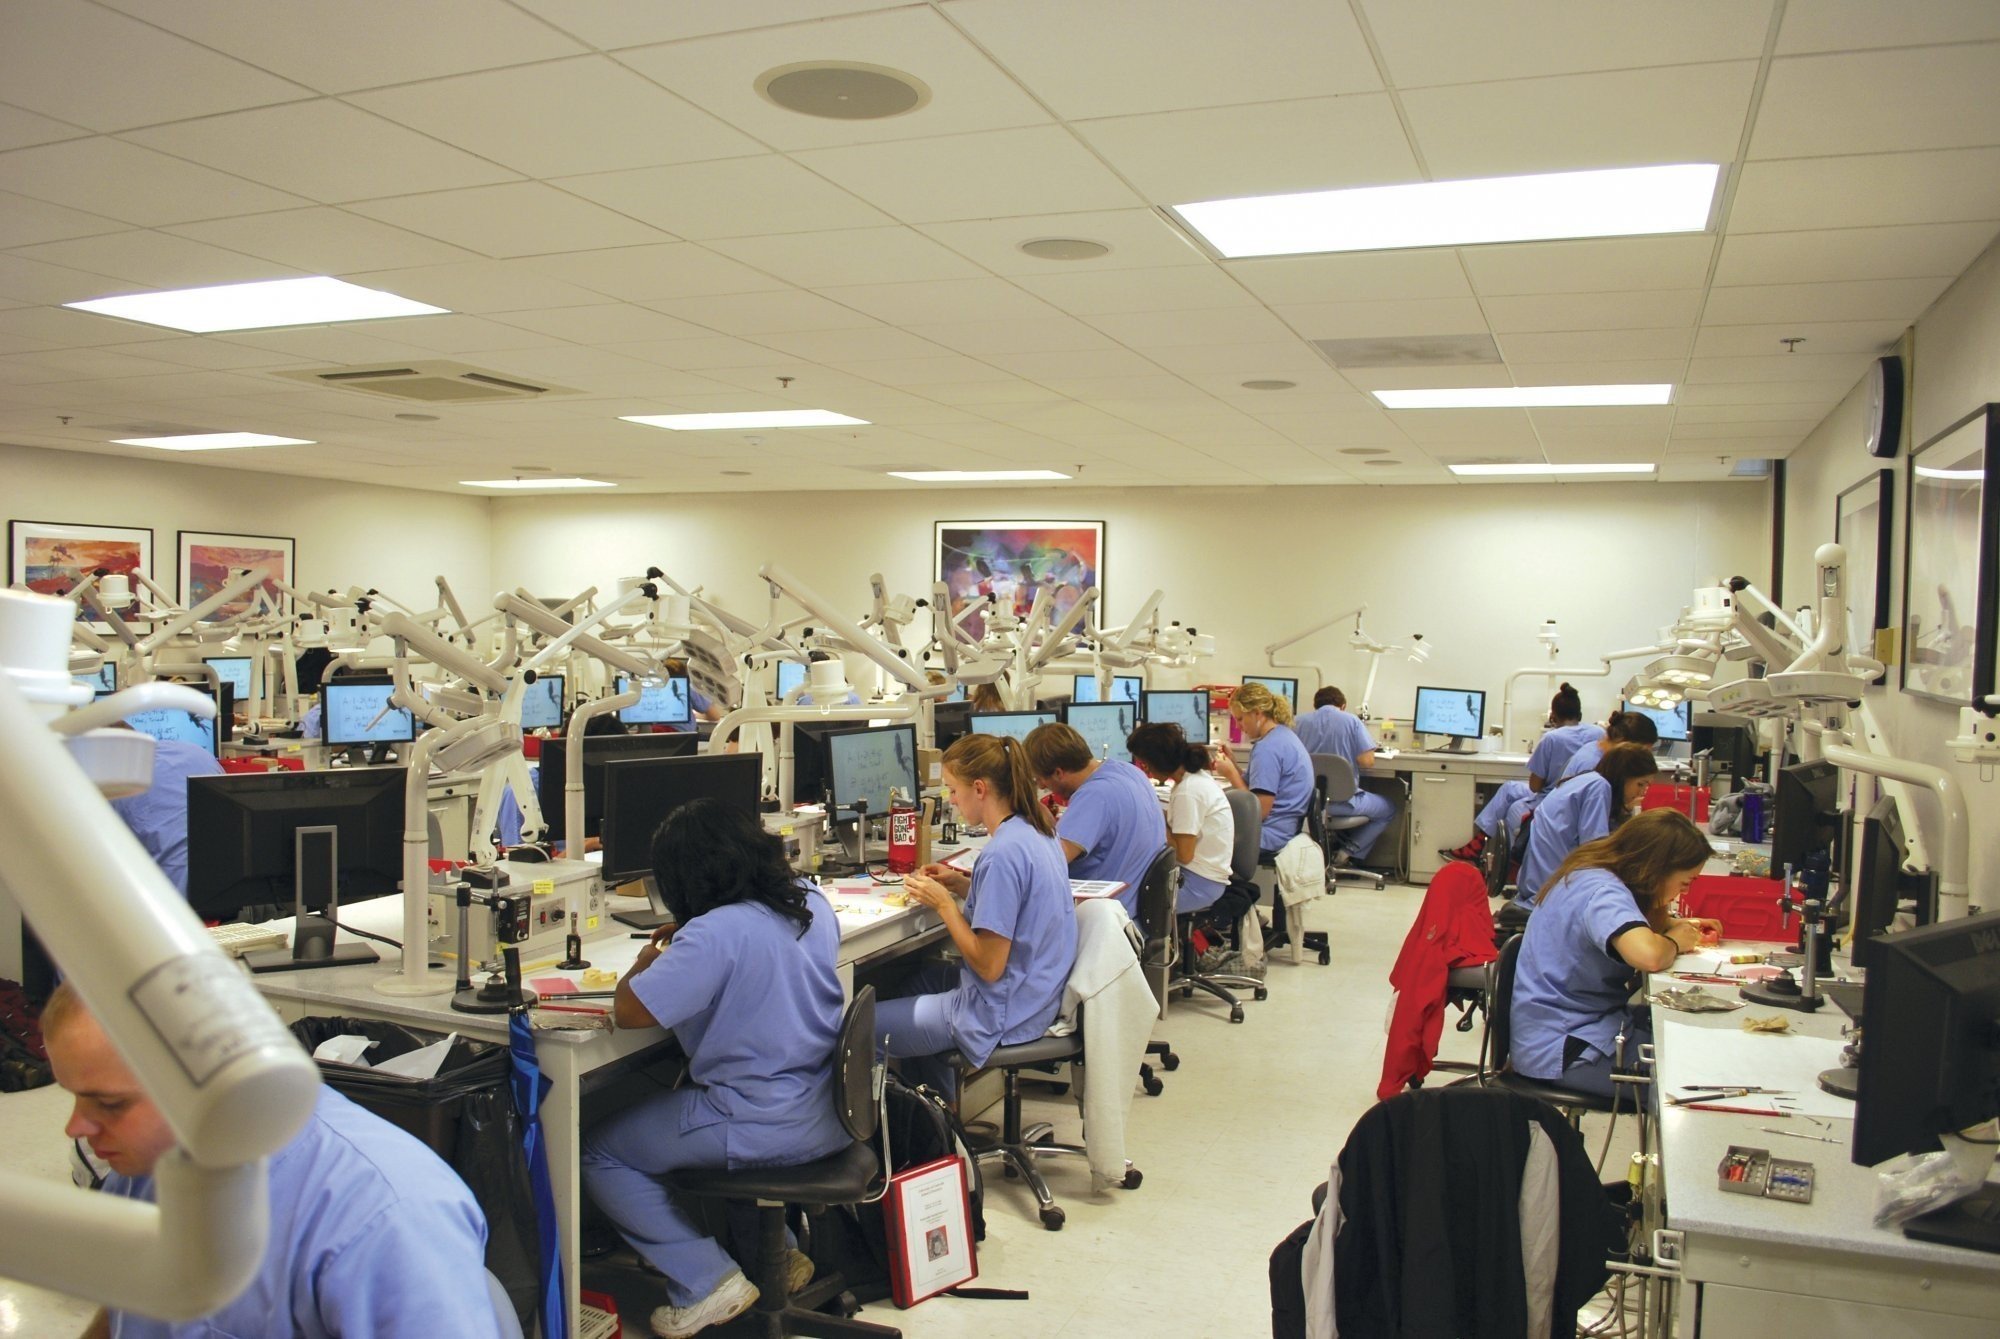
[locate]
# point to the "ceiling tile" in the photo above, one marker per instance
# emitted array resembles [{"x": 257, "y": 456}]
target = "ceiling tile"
[
  {"x": 1277, "y": 361},
  {"x": 1376, "y": 276},
  {"x": 481, "y": 286},
  {"x": 917, "y": 371},
  {"x": 1866, "y": 102},
  {"x": 1074, "y": 363},
  {"x": 620, "y": 23},
  {"x": 323, "y": 241},
  {"x": 23, "y": 222},
  {"x": 613, "y": 323},
  {"x": 786, "y": 311},
  {"x": 19, "y": 129},
  {"x": 1851, "y": 253},
  {"x": 1864, "y": 191},
  {"x": 1686, "y": 414},
  {"x": 1030, "y": 169},
  {"x": 1227, "y": 325},
  {"x": 1726, "y": 341},
  {"x": 1847, "y": 25},
  {"x": 1508, "y": 427},
  {"x": 1608, "y": 372},
  {"x": 846, "y": 256},
  {"x": 1427, "y": 42},
  {"x": 1859, "y": 300},
  {"x": 650, "y": 273},
  {"x": 696, "y": 355},
  {"x": 1627, "y": 118},
  {"x": 208, "y": 354},
  {"x": 1788, "y": 367},
  {"x": 735, "y": 197},
  {"x": 1602, "y": 265},
  {"x": 1094, "y": 293},
  {"x": 62, "y": 328},
  {"x": 1137, "y": 238},
  {"x": 1794, "y": 428},
  {"x": 1590, "y": 346},
  {"x": 1650, "y": 310},
  {"x": 941, "y": 300},
  {"x": 156, "y": 260},
  {"x": 611, "y": 118},
  {"x": 1828, "y": 393},
  {"x": 135, "y": 185},
  {"x": 522, "y": 219},
  {"x": 37, "y": 282},
  {"x": 1384, "y": 320}
]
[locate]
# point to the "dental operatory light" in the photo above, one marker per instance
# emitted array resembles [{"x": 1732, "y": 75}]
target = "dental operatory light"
[
  {"x": 1642, "y": 691},
  {"x": 1619, "y": 202},
  {"x": 1529, "y": 397},
  {"x": 258, "y": 306},
  {"x": 762, "y": 418},
  {"x": 211, "y": 441},
  {"x": 1680, "y": 671}
]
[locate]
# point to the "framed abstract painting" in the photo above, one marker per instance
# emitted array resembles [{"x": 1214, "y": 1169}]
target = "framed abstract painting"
[
  {"x": 1011, "y": 561},
  {"x": 207, "y": 559},
  {"x": 50, "y": 557}
]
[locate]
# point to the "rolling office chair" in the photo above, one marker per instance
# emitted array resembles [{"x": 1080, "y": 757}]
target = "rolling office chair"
[
  {"x": 853, "y": 1175},
  {"x": 1159, "y": 890},
  {"x": 1017, "y": 1146},
  {"x": 1334, "y": 782},
  {"x": 1242, "y": 870},
  {"x": 1497, "y": 1052}
]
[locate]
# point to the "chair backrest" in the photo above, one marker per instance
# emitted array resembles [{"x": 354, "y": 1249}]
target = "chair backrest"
[
  {"x": 1159, "y": 890},
  {"x": 1500, "y": 1007},
  {"x": 857, "y": 1074},
  {"x": 1336, "y": 774},
  {"x": 1249, "y": 819}
]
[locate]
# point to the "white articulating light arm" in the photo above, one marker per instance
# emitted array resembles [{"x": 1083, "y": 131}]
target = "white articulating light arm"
[
  {"x": 576, "y": 732},
  {"x": 1058, "y": 642},
  {"x": 445, "y": 655},
  {"x": 1142, "y": 619},
  {"x": 867, "y": 644},
  {"x": 1271, "y": 651},
  {"x": 1598, "y": 671},
  {"x": 523, "y": 607}
]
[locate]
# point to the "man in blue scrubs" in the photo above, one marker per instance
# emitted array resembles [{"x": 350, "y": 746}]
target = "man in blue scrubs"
[
  {"x": 158, "y": 815},
  {"x": 1330, "y": 728},
  {"x": 370, "y": 1234},
  {"x": 1113, "y": 826}
]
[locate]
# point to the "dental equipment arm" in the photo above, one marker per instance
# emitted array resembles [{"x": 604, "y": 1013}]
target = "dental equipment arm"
[
  {"x": 541, "y": 620},
  {"x": 866, "y": 643},
  {"x": 445, "y": 655},
  {"x": 1143, "y": 618},
  {"x": 1599, "y": 671},
  {"x": 1057, "y": 642},
  {"x": 187, "y": 618},
  {"x": 1319, "y": 675}
]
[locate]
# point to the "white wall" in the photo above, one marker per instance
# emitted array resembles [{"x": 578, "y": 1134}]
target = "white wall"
[
  {"x": 392, "y": 539},
  {"x": 1475, "y": 570}
]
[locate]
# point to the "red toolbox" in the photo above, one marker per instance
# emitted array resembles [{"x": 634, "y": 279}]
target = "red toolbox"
[
  {"x": 1661, "y": 795},
  {"x": 1747, "y": 907}
]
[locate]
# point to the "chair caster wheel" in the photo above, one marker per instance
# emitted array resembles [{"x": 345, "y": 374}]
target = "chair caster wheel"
[
  {"x": 1325, "y": 957},
  {"x": 1052, "y": 1218},
  {"x": 1261, "y": 993},
  {"x": 1170, "y": 1061},
  {"x": 1007, "y": 1170},
  {"x": 1187, "y": 992},
  {"x": 1236, "y": 1014},
  {"x": 1133, "y": 1176},
  {"x": 1152, "y": 1085}
]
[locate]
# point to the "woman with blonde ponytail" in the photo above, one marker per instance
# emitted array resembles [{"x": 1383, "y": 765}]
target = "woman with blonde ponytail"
[{"x": 1015, "y": 936}]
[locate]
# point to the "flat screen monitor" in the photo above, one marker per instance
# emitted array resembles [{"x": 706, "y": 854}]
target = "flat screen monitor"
[
  {"x": 1457, "y": 712},
  {"x": 1806, "y": 818},
  {"x": 172, "y": 723},
  {"x": 542, "y": 703},
  {"x": 103, "y": 683},
  {"x": 1124, "y": 688},
  {"x": 864, "y": 766},
  {"x": 1187, "y": 708},
  {"x": 552, "y": 774},
  {"x": 1672, "y": 723},
  {"x": 661, "y": 702},
  {"x": 1015, "y": 723},
  {"x": 1104, "y": 726},
  {"x": 790, "y": 675},
  {"x": 1879, "y": 884},
  {"x": 1288, "y": 689},
  {"x": 639, "y": 793},
  {"x": 1729, "y": 741},
  {"x": 357, "y": 711},
  {"x": 950, "y": 722},
  {"x": 234, "y": 671}
]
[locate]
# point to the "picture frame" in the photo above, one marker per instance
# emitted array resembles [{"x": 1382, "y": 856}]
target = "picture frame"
[
  {"x": 50, "y": 557},
  {"x": 928, "y": 1216},
  {"x": 207, "y": 556},
  {"x": 1950, "y": 560},
  {"x": 1863, "y": 523},
  {"x": 1011, "y": 560}
]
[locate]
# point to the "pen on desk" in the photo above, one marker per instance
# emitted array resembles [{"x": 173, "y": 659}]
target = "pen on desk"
[
  {"x": 1737, "y": 1111},
  {"x": 1799, "y": 1134}
]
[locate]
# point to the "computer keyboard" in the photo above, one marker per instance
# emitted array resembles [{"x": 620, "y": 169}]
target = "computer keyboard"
[{"x": 239, "y": 938}]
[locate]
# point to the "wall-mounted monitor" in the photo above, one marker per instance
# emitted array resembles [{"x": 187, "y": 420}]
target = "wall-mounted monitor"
[
  {"x": 1187, "y": 708},
  {"x": 1124, "y": 688},
  {"x": 661, "y": 702}
]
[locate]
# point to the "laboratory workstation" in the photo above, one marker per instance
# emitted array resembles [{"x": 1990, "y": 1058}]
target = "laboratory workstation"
[{"x": 941, "y": 668}]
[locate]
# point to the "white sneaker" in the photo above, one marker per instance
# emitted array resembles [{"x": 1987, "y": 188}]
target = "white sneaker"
[
  {"x": 731, "y": 1298},
  {"x": 798, "y": 1271}
]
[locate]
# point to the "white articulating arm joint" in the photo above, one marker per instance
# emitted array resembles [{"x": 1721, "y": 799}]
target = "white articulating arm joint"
[
  {"x": 1602, "y": 669},
  {"x": 522, "y": 606},
  {"x": 1319, "y": 675},
  {"x": 1955, "y": 869},
  {"x": 868, "y": 645}
]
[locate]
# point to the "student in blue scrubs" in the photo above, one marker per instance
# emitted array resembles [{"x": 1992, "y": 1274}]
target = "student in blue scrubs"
[
  {"x": 1015, "y": 936},
  {"x": 371, "y": 1234},
  {"x": 746, "y": 980},
  {"x": 1281, "y": 771},
  {"x": 1200, "y": 826},
  {"x": 1605, "y": 918},
  {"x": 1566, "y": 734},
  {"x": 1580, "y": 810},
  {"x": 1624, "y": 727},
  {"x": 1111, "y": 826},
  {"x": 1330, "y": 728},
  {"x": 158, "y": 815}
]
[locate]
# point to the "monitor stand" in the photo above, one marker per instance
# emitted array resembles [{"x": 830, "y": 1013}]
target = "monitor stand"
[
  {"x": 652, "y": 919},
  {"x": 315, "y": 883}
]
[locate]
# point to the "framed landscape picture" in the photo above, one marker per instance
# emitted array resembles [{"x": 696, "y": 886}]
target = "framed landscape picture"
[
  {"x": 1950, "y": 560},
  {"x": 207, "y": 559},
  {"x": 1861, "y": 524},
  {"x": 50, "y": 557},
  {"x": 1013, "y": 560}
]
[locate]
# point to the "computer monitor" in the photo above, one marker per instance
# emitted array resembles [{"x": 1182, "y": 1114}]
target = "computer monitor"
[
  {"x": 1672, "y": 723},
  {"x": 1729, "y": 741},
  {"x": 354, "y": 712},
  {"x": 1124, "y": 688},
  {"x": 957, "y": 694},
  {"x": 1015, "y": 723},
  {"x": 790, "y": 675},
  {"x": 103, "y": 683},
  {"x": 1288, "y": 689},
  {"x": 1457, "y": 712},
  {"x": 661, "y": 702},
  {"x": 1187, "y": 708},
  {"x": 1806, "y": 818},
  {"x": 542, "y": 703},
  {"x": 1104, "y": 726},
  {"x": 165, "y": 723},
  {"x": 639, "y": 794},
  {"x": 1930, "y": 1059},
  {"x": 313, "y": 839},
  {"x": 950, "y": 722},
  {"x": 552, "y": 775},
  {"x": 234, "y": 671},
  {"x": 864, "y": 766}
]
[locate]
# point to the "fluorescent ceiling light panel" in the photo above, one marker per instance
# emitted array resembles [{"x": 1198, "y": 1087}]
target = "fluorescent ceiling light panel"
[
  {"x": 318, "y": 301},
  {"x": 211, "y": 441},
  {"x": 765, "y": 418},
  {"x": 553, "y": 481},
  {"x": 972, "y": 476},
  {"x": 1627, "y": 467},
  {"x": 1619, "y": 202},
  {"x": 1527, "y": 397}
]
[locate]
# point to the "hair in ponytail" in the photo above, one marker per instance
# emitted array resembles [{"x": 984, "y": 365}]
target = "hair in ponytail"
[
  {"x": 1566, "y": 707},
  {"x": 1002, "y": 763},
  {"x": 1631, "y": 727},
  {"x": 1162, "y": 748}
]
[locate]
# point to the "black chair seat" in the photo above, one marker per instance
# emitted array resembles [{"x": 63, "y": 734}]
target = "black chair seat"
[
  {"x": 1345, "y": 822},
  {"x": 1569, "y": 1099},
  {"x": 840, "y": 1178},
  {"x": 1038, "y": 1051}
]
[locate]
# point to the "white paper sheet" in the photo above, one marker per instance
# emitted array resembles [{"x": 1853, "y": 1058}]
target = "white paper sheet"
[
  {"x": 1728, "y": 1057},
  {"x": 422, "y": 1063}
]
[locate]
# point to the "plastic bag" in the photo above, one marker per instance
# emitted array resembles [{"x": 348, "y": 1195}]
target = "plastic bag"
[
  {"x": 1917, "y": 1183},
  {"x": 1693, "y": 1000}
]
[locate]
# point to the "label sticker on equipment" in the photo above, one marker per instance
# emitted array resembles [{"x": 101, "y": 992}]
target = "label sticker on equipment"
[{"x": 207, "y": 1012}]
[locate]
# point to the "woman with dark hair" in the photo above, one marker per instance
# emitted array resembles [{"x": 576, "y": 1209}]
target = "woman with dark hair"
[
  {"x": 1200, "y": 827},
  {"x": 1607, "y": 916},
  {"x": 1624, "y": 727},
  {"x": 745, "y": 978},
  {"x": 1580, "y": 810},
  {"x": 1566, "y": 733}
]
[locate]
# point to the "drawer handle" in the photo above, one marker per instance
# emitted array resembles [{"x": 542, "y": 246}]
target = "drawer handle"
[{"x": 1434, "y": 780}]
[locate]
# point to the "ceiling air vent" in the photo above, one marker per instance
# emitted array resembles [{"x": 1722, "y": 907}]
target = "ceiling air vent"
[
  {"x": 427, "y": 383},
  {"x": 1410, "y": 351}
]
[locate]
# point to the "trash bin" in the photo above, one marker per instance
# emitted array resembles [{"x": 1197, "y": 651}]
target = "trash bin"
[{"x": 466, "y": 1116}]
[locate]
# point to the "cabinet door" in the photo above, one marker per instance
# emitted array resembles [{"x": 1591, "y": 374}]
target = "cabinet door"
[{"x": 1441, "y": 814}]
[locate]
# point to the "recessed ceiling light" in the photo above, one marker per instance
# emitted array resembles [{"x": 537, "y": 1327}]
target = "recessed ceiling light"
[
  {"x": 972, "y": 476},
  {"x": 1525, "y": 467},
  {"x": 1364, "y": 450},
  {"x": 1269, "y": 385},
  {"x": 763, "y": 418},
  {"x": 211, "y": 441},
  {"x": 1526, "y": 397},
  {"x": 842, "y": 90},
  {"x": 1620, "y": 202},
  {"x": 317, "y": 301},
  {"x": 552, "y": 481},
  {"x": 1064, "y": 248}
]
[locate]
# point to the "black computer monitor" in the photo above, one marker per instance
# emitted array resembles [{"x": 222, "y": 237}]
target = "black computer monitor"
[
  {"x": 542, "y": 703},
  {"x": 103, "y": 683},
  {"x": 553, "y": 773},
  {"x": 1729, "y": 741},
  {"x": 314, "y": 840},
  {"x": 1806, "y": 819},
  {"x": 1104, "y": 726},
  {"x": 950, "y": 722},
  {"x": 1930, "y": 1059},
  {"x": 354, "y": 712},
  {"x": 165, "y": 723},
  {"x": 1015, "y": 723},
  {"x": 809, "y": 758},
  {"x": 639, "y": 793},
  {"x": 1124, "y": 688},
  {"x": 1671, "y": 722},
  {"x": 1879, "y": 885},
  {"x": 1187, "y": 708},
  {"x": 234, "y": 671},
  {"x": 864, "y": 766},
  {"x": 1457, "y": 712},
  {"x": 1288, "y": 689},
  {"x": 661, "y": 702}
]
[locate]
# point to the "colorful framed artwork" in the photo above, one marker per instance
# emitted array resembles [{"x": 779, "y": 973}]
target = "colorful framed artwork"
[
  {"x": 208, "y": 558},
  {"x": 1950, "y": 561},
  {"x": 1862, "y": 522},
  {"x": 50, "y": 557},
  {"x": 1011, "y": 561}
]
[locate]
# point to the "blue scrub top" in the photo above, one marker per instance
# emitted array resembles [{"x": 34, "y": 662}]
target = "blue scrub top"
[
  {"x": 698, "y": 705},
  {"x": 1557, "y": 747},
  {"x": 158, "y": 815},
  {"x": 1583, "y": 760},
  {"x": 371, "y": 1235},
  {"x": 1281, "y": 768},
  {"x": 1020, "y": 891},
  {"x": 1115, "y": 817},
  {"x": 1568, "y": 981},
  {"x": 1575, "y": 812},
  {"x": 309, "y": 723},
  {"x": 1331, "y": 730},
  {"x": 756, "y": 1004}
]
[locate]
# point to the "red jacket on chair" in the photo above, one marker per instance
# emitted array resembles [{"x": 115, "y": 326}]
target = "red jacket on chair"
[{"x": 1454, "y": 928}]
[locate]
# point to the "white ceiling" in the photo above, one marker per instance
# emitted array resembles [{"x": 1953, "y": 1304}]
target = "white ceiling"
[{"x": 598, "y": 193}]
